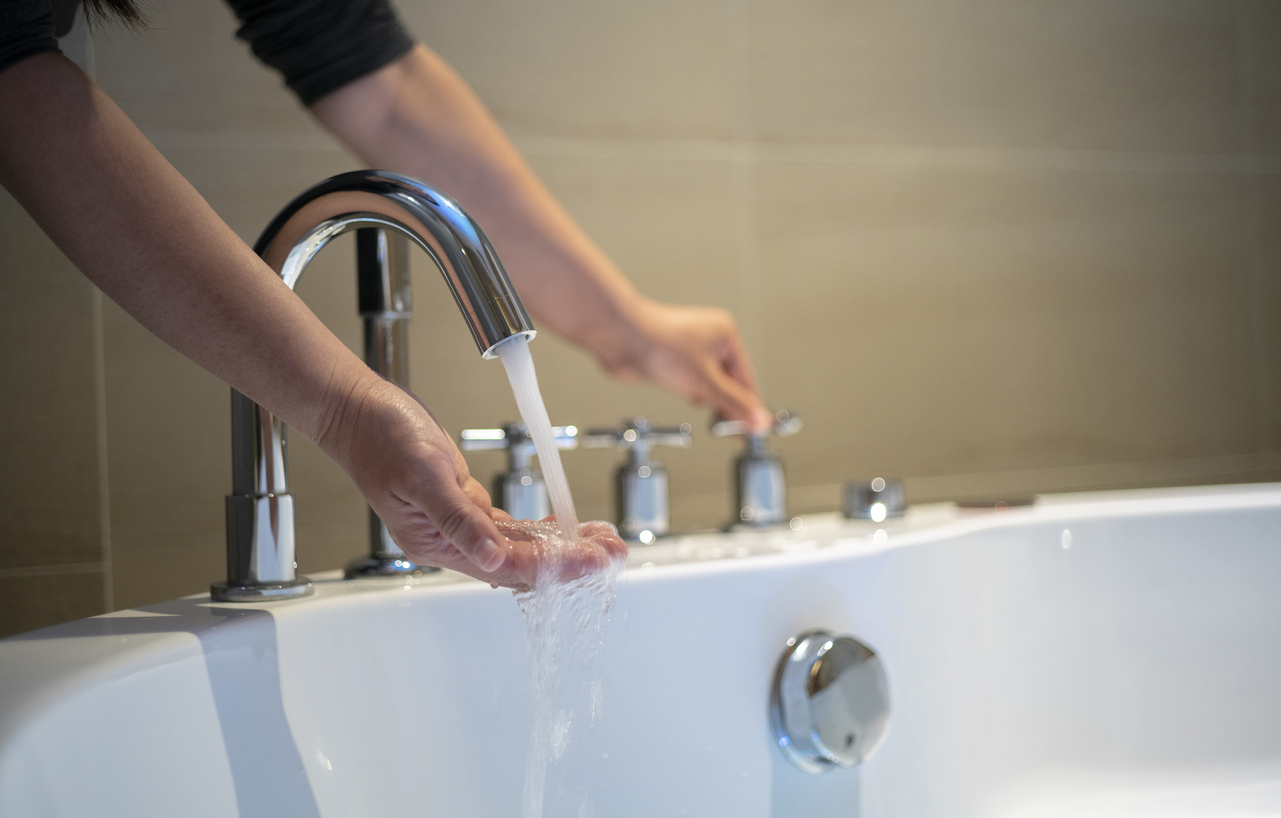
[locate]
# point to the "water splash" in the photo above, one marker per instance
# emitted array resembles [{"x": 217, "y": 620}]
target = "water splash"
[
  {"x": 578, "y": 569},
  {"x": 565, "y": 615}
]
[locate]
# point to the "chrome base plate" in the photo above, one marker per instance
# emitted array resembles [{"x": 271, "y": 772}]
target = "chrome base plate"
[
  {"x": 268, "y": 592},
  {"x": 367, "y": 567}
]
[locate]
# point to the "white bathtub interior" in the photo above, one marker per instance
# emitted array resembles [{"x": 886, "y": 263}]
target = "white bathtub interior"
[{"x": 1109, "y": 654}]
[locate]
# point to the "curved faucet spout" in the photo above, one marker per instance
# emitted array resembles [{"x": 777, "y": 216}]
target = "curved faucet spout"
[
  {"x": 428, "y": 218},
  {"x": 260, "y": 528}
]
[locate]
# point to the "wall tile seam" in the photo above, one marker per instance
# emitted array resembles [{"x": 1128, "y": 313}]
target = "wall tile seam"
[
  {"x": 51, "y": 570},
  {"x": 962, "y": 157},
  {"x": 740, "y": 150},
  {"x": 1256, "y": 268},
  {"x": 1136, "y": 472},
  {"x": 245, "y": 140},
  {"x": 1191, "y": 468},
  {"x": 893, "y": 155},
  {"x": 100, "y": 430}
]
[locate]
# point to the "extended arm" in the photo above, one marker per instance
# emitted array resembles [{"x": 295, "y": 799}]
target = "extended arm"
[
  {"x": 418, "y": 117},
  {"x": 135, "y": 227}
]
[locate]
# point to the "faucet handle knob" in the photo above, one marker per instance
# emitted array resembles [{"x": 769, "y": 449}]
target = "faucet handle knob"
[
  {"x": 639, "y": 431},
  {"x": 514, "y": 436},
  {"x": 785, "y": 424}
]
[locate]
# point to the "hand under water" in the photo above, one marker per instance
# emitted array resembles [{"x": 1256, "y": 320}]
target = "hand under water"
[
  {"x": 555, "y": 560},
  {"x": 416, "y": 479}
]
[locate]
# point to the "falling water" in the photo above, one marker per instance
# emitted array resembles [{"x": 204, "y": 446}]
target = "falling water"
[
  {"x": 572, "y": 595},
  {"x": 514, "y": 353}
]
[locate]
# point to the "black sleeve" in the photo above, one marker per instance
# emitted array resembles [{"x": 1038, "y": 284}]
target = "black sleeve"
[
  {"x": 321, "y": 45},
  {"x": 26, "y": 29}
]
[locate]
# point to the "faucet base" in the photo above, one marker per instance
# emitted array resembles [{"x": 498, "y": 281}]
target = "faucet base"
[
  {"x": 267, "y": 592},
  {"x": 385, "y": 566}
]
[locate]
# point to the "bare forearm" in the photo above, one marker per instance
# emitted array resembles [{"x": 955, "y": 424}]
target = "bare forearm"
[
  {"x": 135, "y": 227},
  {"x": 419, "y": 118}
]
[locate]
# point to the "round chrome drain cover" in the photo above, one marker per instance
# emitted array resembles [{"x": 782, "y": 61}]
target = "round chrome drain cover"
[{"x": 830, "y": 705}]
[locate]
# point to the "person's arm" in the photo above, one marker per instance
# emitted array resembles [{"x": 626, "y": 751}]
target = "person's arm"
[
  {"x": 140, "y": 232},
  {"x": 418, "y": 117}
]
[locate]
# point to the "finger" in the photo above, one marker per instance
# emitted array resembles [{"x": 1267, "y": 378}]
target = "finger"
[
  {"x": 738, "y": 364},
  {"x": 733, "y": 400},
  {"x": 606, "y": 536},
  {"x": 459, "y": 518}
]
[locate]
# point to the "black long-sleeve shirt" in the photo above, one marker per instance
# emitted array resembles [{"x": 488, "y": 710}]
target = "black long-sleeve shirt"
[{"x": 318, "y": 46}]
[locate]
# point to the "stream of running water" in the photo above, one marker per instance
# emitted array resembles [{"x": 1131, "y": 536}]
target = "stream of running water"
[{"x": 567, "y": 609}]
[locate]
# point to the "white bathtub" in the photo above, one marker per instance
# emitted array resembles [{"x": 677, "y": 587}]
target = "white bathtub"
[{"x": 1108, "y": 654}]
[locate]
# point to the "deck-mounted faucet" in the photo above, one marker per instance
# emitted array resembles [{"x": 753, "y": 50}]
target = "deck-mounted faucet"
[{"x": 382, "y": 207}]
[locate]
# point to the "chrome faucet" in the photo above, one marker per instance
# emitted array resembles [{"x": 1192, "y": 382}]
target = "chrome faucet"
[{"x": 382, "y": 207}]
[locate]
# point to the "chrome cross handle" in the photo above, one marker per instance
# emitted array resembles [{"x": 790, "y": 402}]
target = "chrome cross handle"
[
  {"x": 520, "y": 491},
  {"x": 760, "y": 492},
  {"x": 641, "y": 501},
  {"x": 785, "y": 424}
]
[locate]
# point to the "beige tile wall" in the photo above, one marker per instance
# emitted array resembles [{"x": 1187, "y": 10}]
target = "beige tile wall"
[
  {"x": 52, "y": 539},
  {"x": 996, "y": 247}
]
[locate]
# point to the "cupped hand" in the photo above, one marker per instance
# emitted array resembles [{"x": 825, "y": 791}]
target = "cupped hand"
[
  {"x": 696, "y": 352},
  {"x": 417, "y": 481},
  {"x": 596, "y": 547}
]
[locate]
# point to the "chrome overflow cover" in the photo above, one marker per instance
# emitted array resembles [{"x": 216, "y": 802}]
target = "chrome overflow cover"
[{"x": 830, "y": 705}]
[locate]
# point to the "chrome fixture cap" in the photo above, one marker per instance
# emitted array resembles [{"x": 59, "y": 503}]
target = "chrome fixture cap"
[
  {"x": 830, "y": 704},
  {"x": 874, "y": 499}
]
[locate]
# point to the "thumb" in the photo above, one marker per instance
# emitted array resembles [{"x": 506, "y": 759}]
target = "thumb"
[{"x": 466, "y": 525}]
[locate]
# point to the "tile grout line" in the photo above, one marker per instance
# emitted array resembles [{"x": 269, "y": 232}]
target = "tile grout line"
[
  {"x": 978, "y": 158},
  {"x": 746, "y": 241},
  {"x": 1255, "y": 273},
  {"x": 744, "y": 147},
  {"x": 52, "y": 570},
  {"x": 1061, "y": 479},
  {"x": 89, "y": 65},
  {"x": 740, "y": 69},
  {"x": 816, "y": 497},
  {"x": 100, "y": 420}
]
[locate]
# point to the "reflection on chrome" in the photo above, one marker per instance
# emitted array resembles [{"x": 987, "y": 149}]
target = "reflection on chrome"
[{"x": 830, "y": 704}]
